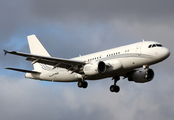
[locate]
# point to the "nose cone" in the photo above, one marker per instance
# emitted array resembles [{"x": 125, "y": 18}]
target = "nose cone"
[{"x": 165, "y": 53}]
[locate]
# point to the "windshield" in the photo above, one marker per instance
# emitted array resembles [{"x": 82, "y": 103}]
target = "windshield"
[{"x": 154, "y": 45}]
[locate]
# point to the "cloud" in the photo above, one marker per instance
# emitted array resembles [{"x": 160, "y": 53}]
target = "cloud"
[
  {"x": 103, "y": 9},
  {"x": 28, "y": 99}
]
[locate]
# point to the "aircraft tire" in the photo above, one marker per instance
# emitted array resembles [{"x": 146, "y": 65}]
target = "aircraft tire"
[
  {"x": 85, "y": 84},
  {"x": 114, "y": 88},
  {"x": 82, "y": 84},
  {"x": 117, "y": 89}
]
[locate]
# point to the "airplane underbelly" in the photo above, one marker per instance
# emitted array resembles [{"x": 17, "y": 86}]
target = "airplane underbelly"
[{"x": 67, "y": 77}]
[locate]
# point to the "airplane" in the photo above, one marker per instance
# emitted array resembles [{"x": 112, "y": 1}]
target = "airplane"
[{"x": 130, "y": 61}]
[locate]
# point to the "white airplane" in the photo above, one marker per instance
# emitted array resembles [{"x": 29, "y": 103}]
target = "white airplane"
[{"x": 122, "y": 61}]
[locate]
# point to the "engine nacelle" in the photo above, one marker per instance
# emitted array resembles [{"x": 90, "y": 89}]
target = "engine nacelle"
[
  {"x": 142, "y": 76},
  {"x": 95, "y": 68},
  {"x": 113, "y": 65}
]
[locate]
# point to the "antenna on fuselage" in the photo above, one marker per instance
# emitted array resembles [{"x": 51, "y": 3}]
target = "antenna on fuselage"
[{"x": 143, "y": 40}]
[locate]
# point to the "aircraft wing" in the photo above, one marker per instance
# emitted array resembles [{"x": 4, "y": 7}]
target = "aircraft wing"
[{"x": 68, "y": 64}]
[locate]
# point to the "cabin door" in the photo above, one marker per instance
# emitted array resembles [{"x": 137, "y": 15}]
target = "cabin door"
[{"x": 138, "y": 48}]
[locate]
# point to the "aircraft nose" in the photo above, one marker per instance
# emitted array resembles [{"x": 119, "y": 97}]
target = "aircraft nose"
[{"x": 166, "y": 53}]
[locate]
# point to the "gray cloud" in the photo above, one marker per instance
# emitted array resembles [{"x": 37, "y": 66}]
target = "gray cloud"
[
  {"x": 28, "y": 99},
  {"x": 103, "y": 9}
]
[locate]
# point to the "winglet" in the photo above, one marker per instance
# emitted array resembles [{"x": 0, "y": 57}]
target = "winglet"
[{"x": 5, "y": 52}]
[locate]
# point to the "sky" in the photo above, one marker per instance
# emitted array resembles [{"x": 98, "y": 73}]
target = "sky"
[{"x": 68, "y": 28}]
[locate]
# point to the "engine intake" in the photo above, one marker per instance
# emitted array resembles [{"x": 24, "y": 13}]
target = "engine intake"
[{"x": 101, "y": 67}]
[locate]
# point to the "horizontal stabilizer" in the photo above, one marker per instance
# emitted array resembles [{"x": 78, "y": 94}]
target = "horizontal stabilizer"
[
  {"x": 22, "y": 70},
  {"x": 5, "y": 52}
]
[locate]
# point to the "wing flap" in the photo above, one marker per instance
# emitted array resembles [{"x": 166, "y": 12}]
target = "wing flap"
[{"x": 22, "y": 70}]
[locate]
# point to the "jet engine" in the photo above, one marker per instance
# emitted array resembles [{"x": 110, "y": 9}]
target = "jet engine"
[
  {"x": 142, "y": 76},
  {"x": 95, "y": 68}
]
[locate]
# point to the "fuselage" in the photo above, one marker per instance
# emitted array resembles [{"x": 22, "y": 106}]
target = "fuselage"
[{"x": 128, "y": 57}]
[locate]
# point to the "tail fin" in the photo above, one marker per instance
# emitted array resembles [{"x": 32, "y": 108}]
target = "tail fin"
[{"x": 36, "y": 48}]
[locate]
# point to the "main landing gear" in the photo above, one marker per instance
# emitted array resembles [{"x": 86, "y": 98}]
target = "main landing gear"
[
  {"x": 83, "y": 83},
  {"x": 115, "y": 88}
]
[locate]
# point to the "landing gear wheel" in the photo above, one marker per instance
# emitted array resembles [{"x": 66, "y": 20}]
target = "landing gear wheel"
[
  {"x": 117, "y": 89},
  {"x": 82, "y": 84},
  {"x": 114, "y": 88},
  {"x": 85, "y": 84}
]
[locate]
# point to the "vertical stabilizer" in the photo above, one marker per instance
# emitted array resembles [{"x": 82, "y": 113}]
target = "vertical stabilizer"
[{"x": 36, "y": 48}]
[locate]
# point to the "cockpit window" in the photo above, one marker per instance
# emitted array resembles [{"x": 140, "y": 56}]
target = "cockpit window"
[
  {"x": 158, "y": 45},
  {"x": 155, "y": 45}
]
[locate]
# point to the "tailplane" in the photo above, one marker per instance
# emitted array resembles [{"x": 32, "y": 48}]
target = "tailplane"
[{"x": 37, "y": 48}]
